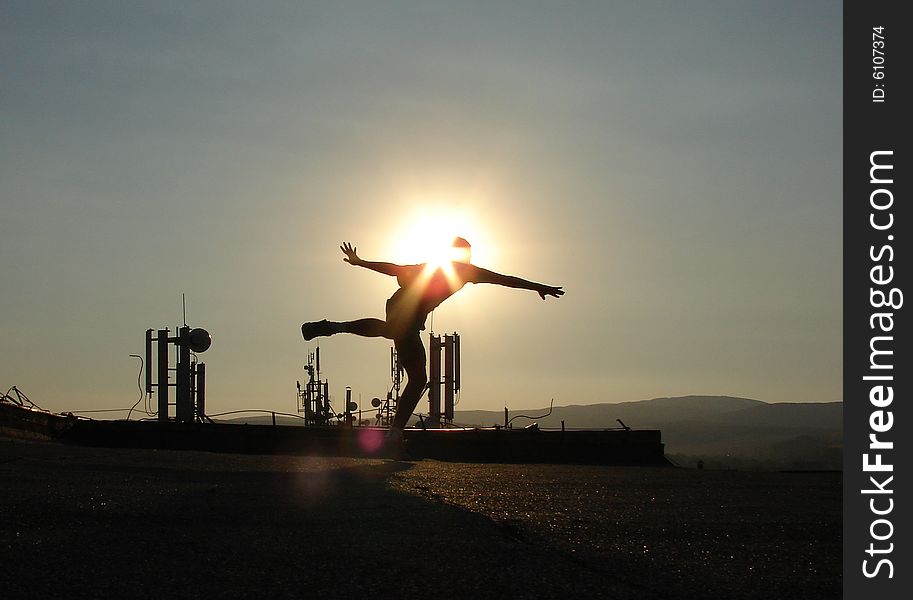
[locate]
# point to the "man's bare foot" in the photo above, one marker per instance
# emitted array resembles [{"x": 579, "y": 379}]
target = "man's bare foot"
[{"x": 315, "y": 329}]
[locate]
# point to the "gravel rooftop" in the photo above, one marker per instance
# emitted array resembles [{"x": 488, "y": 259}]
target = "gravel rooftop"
[{"x": 83, "y": 522}]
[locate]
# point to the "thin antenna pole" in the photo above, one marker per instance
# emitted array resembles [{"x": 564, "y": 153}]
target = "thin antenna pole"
[{"x": 184, "y": 308}]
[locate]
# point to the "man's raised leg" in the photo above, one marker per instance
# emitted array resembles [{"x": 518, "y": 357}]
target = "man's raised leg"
[{"x": 362, "y": 327}]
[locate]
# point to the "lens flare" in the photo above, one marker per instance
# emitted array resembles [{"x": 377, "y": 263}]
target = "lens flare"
[{"x": 370, "y": 440}]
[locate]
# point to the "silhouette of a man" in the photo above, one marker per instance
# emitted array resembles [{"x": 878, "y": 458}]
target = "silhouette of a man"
[{"x": 421, "y": 290}]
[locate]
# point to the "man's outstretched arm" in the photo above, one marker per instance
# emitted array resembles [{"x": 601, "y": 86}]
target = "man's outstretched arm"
[
  {"x": 481, "y": 275},
  {"x": 352, "y": 258}
]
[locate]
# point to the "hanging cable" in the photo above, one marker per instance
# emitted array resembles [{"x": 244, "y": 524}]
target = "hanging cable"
[
  {"x": 138, "y": 384},
  {"x": 256, "y": 410},
  {"x": 550, "y": 406}
]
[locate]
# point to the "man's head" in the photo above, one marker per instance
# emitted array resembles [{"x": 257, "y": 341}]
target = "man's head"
[{"x": 461, "y": 252}]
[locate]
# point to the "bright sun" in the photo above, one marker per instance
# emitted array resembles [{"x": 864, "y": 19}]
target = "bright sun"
[{"x": 428, "y": 237}]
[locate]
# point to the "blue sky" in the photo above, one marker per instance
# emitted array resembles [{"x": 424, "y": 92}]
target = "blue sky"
[{"x": 675, "y": 165}]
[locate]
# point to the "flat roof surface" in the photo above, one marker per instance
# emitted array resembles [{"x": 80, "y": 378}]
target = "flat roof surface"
[{"x": 99, "y": 522}]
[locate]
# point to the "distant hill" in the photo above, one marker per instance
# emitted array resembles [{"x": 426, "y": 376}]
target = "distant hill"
[
  {"x": 260, "y": 419},
  {"x": 722, "y": 431},
  {"x": 639, "y": 414}
]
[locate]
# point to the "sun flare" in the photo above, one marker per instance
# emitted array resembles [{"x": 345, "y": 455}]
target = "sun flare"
[{"x": 428, "y": 238}]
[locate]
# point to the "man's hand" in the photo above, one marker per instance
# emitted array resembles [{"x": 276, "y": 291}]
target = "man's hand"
[
  {"x": 351, "y": 254},
  {"x": 548, "y": 290}
]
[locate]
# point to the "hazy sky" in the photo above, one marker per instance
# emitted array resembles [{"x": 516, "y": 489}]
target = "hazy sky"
[{"x": 675, "y": 165}]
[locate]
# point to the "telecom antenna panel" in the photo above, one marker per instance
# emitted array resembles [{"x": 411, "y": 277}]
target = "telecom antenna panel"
[
  {"x": 314, "y": 396},
  {"x": 189, "y": 375},
  {"x": 443, "y": 387}
]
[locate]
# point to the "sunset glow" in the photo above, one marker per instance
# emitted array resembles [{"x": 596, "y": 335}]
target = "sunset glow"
[
  {"x": 687, "y": 198},
  {"x": 428, "y": 238}
]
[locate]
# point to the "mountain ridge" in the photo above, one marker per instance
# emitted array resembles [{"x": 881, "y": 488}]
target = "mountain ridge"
[{"x": 719, "y": 431}]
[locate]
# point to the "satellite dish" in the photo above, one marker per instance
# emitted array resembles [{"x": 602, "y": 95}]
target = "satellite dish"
[
  {"x": 200, "y": 340},
  {"x": 375, "y": 402},
  {"x": 353, "y": 406}
]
